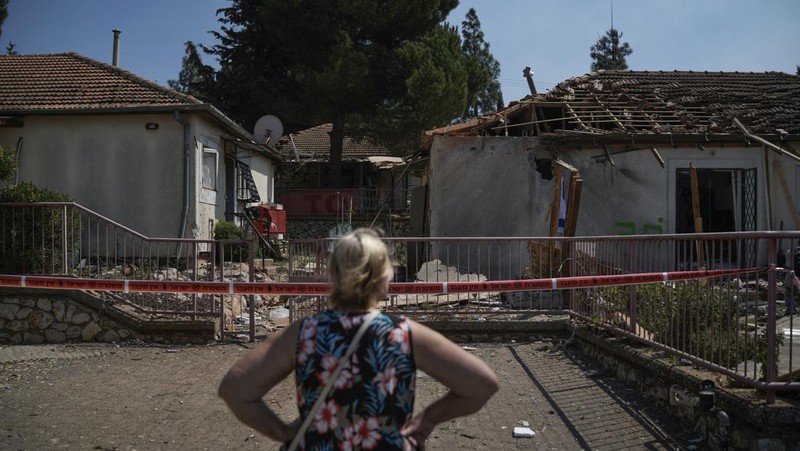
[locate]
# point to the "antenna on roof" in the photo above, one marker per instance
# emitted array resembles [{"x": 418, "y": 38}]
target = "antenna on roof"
[{"x": 612, "y": 14}]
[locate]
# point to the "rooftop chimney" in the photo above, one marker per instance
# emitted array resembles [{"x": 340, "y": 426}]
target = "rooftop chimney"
[
  {"x": 529, "y": 76},
  {"x": 115, "y": 59}
]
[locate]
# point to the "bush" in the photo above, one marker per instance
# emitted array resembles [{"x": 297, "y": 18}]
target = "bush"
[
  {"x": 28, "y": 192},
  {"x": 700, "y": 320},
  {"x": 226, "y": 230},
  {"x": 7, "y": 164},
  {"x": 31, "y": 241}
]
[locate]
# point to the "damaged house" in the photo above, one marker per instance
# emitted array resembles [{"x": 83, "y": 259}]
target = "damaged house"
[
  {"x": 618, "y": 149},
  {"x": 158, "y": 161}
]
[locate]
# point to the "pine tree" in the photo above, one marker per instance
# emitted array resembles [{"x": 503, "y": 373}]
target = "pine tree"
[
  {"x": 485, "y": 93},
  {"x": 382, "y": 66},
  {"x": 3, "y": 14},
  {"x": 608, "y": 54},
  {"x": 195, "y": 78}
]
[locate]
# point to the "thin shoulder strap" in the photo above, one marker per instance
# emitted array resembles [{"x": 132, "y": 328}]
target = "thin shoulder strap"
[{"x": 323, "y": 394}]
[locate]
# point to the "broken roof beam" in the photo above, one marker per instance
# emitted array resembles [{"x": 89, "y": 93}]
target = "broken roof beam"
[
  {"x": 763, "y": 141},
  {"x": 575, "y": 116},
  {"x": 608, "y": 110},
  {"x": 657, "y": 155}
]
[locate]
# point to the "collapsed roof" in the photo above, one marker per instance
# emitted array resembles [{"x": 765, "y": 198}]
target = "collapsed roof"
[{"x": 642, "y": 103}]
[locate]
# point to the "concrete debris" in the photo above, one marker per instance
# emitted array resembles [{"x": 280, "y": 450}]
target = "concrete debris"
[{"x": 523, "y": 432}]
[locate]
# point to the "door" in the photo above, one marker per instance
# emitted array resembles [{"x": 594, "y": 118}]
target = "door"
[{"x": 727, "y": 204}]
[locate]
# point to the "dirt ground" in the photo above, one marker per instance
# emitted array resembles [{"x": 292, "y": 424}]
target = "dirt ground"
[{"x": 129, "y": 397}]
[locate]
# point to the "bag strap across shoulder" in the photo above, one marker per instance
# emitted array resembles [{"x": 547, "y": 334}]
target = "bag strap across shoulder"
[{"x": 323, "y": 394}]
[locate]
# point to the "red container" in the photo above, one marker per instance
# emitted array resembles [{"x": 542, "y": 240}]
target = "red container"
[{"x": 275, "y": 216}]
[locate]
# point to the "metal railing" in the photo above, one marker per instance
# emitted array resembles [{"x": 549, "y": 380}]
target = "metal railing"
[
  {"x": 732, "y": 325},
  {"x": 55, "y": 238}
]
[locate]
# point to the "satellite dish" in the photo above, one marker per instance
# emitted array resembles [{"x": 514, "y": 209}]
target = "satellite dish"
[{"x": 268, "y": 129}]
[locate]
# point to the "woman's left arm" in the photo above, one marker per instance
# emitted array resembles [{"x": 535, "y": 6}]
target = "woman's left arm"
[{"x": 246, "y": 383}]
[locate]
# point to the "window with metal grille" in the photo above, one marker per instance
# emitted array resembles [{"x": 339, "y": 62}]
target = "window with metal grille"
[{"x": 246, "y": 190}]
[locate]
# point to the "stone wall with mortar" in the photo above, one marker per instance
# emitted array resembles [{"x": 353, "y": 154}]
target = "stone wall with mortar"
[
  {"x": 30, "y": 316},
  {"x": 35, "y": 320},
  {"x": 753, "y": 425}
]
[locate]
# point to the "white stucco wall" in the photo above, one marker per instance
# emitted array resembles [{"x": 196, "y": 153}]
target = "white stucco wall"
[
  {"x": 113, "y": 165},
  {"x": 485, "y": 187},
  {"x": 110, "y": 164},
  {"x": 263, "y": 174},
  {"x": 489, "y": 187}
]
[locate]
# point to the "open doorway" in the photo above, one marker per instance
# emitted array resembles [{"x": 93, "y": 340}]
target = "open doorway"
[{"x": 727, "y": 204}]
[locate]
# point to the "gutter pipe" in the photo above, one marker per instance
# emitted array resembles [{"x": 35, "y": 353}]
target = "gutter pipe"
[
  {"x": 186, "y": 161},
  {"x": 16, "y": 161}
]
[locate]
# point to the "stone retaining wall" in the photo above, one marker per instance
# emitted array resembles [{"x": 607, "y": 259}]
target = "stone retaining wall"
[
  {"x": 35, "y": 320},
  {"x": 33, "y": 316},
  {"x": 753, "y": 425}
]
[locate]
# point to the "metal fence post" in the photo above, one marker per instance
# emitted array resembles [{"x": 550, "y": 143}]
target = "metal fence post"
[
  {"x": 633, "y": 306},
  {"x": 64, "y": 262},
  {"x": 771, "y": 320},
  {"x": 251, "y": 278},
  {"x": 222, "y": 279}
]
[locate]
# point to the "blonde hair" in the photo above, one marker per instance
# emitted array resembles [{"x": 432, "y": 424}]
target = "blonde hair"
[{"x": 359, "y": 269}]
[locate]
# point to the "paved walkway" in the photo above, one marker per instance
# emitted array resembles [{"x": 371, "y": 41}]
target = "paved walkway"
[{"x": 148, "y": 397}]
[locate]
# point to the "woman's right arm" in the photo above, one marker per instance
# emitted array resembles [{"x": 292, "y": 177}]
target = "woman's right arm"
[
  {"x": 470, "y": 381},
  {"x": 246, "y": 383}
]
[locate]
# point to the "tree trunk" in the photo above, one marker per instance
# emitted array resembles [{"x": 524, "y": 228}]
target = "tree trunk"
[{"x": 337, "y": 139}]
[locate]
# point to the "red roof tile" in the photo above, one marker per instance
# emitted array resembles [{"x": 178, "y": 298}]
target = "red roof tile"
[
  {"x": 69, "y": 82},
  {"x": 685, "y": 101},
  {"x": 643, "y": 102},
  {"x": 315, "y": 143}
]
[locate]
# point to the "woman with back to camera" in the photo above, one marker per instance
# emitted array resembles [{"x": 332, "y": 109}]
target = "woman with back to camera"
[{"x": 367, "y": 402}]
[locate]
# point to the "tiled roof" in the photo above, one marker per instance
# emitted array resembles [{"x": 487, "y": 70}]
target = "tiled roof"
[
  {"x": 642, "y": 102},
  {"x": 315, "y": 144},
  {"x": 70, "y": 82},
  {"x": 685, "y": 101}
]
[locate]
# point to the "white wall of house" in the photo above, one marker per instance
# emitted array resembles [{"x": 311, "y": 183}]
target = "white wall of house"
[
  {"x": 117, "y": 167},
  {"x": 482, "y": 186},
  {"x": 209, "y": 186},
  {"x": 110, "y": 164},
  {"x": 489, "y": 187},
  {"x": 263, "y": 174}
]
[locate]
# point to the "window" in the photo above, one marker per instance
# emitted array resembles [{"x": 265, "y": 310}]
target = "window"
[
  {"x": 210, "y": 160},
  {"x": 246, "y": 190}
]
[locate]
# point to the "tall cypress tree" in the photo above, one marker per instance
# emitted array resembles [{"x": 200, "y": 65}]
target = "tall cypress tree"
[{"x": 485, "y": 92}]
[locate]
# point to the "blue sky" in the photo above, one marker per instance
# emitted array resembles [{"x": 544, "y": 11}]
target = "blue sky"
[{"x": 551, "y": 36}]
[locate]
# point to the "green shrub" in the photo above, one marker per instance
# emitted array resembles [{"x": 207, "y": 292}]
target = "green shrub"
[
  {"x": 31, "y": 236},
  {"x": 226, "y": 230},
  {"x": 8, "y": 164},
  {"x": 698, "y": 319}
]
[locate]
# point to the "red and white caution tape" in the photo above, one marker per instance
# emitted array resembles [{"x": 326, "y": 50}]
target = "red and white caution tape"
[{"x": 320, "y": 289}]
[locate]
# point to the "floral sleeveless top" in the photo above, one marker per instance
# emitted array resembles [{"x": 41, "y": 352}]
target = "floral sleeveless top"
[{"x": 373, "y": 396}]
